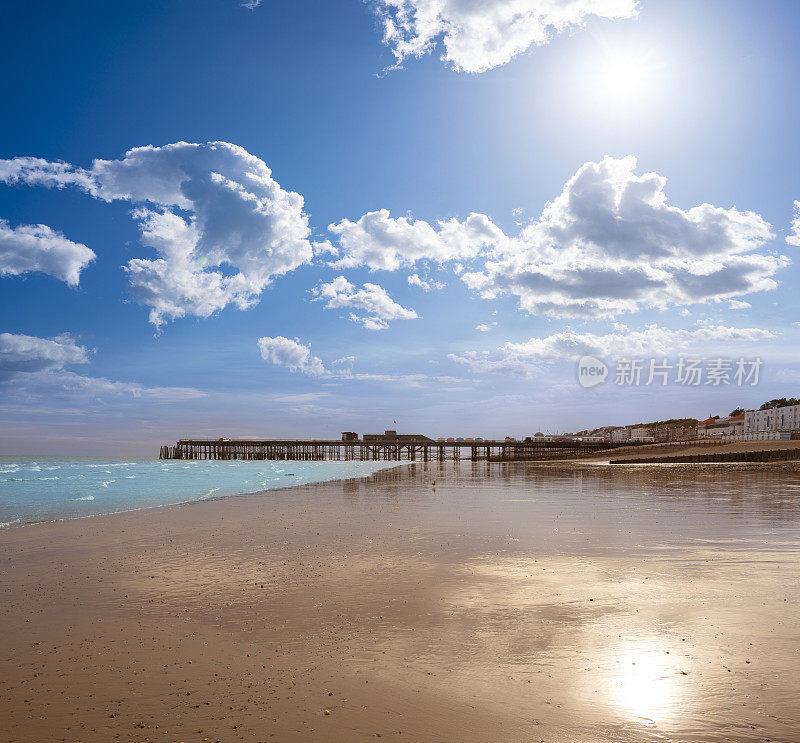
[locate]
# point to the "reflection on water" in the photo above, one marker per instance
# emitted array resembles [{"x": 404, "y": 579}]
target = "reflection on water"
[
  {"x": 646, "y": 683},
  {"x": 607, "y": 603}
]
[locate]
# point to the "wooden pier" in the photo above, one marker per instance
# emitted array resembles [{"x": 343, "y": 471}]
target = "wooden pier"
[{"x": 401, "y": 449}]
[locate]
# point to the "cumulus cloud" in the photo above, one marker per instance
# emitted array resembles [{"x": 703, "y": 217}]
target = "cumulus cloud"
[
  {"x": 524, "y": 358},
  {"x": 371, "y": 304},
  {"x": 297, "y": 357},
  {"x": 222, "y": 227},
  {"x": 27, "y": 353},
  {"x": 292, "y": 354},
  {"x": 794, "y": 238},
  {"x": 485, "y": 327},
  {"x": 737, "y": 304},
  {"x": 610, "y": 243},
  {"x": 37, "y": 247},
  {"x": 478, "y": 36},
  {"x": 382, "y": 242},
  {"x": 426, "y": 285},
  {"x": 33, "y": 366}
]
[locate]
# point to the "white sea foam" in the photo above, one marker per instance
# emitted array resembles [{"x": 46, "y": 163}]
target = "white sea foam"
[
  {"x": 85, "y": 497},
  {"x": 113, "y": 464},
  {"x": 4, "y": 524},
  {"x": 48, "y": 478},
  {"x": 106, "y": 483}
]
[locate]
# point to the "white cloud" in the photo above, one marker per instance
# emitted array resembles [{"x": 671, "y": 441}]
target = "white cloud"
[
  {"x": 33, "y": 366},
  {"x": 794, "y": 238},
  {"x": 654, "y": 341},
  {"x": 292, "y": 354},
  {"x": 485, "y": 327},
  {"x": 426, "y": 285},
  {"x": 480, "y": 35},
  {"x": 380, "y": 241},
  {"x": 27, "y": 354},
  {"x": 242, "y": 228},
  {"x": 297, "y": 357},
  {"x": 737, "y": 304},
  {"x": 610, "y": 243},
  {"x": 373, "y": 306},
  {"x": 37, "y": 247}
]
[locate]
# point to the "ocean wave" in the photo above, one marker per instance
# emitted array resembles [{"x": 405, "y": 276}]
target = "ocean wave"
[
  {"x": 84, "y": 497},
  {"x": 4, "y": 524},
  {"x": 48, "y": 478},
  {"x": 129, "y": 477},
  {"x": 106, "y": 483},
  {"x": 113, "y": 464}
]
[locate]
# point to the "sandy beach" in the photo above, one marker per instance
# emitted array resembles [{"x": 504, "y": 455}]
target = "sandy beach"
[{"x": 510, "y": 602}]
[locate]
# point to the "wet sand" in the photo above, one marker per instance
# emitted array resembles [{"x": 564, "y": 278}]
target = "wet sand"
[{"x": 513, "y": 602}]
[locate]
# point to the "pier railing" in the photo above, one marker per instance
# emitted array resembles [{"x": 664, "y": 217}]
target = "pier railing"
[{"x": 400, "y": 449}]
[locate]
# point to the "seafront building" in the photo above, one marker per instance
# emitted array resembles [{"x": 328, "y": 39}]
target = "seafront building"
[
  {"x": 716, "y": 427},
  {"x": 772, "y": 423},
  {"x": 767, "y": 424}
]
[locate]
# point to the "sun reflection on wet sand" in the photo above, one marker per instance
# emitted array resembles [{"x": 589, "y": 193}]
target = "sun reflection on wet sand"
[{"x": 646, "y": 684}]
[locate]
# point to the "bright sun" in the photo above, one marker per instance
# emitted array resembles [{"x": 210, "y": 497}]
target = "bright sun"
[{"x": 623, "y": 79}]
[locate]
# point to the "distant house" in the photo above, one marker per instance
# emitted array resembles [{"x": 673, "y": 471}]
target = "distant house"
[
  {"x": 675, "y": 431},
  {"x": 716, "y": 426},
  {"x": 349, "y": 436}
]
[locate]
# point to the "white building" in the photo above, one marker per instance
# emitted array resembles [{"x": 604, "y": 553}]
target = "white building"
[
  {"x": 642, "y": 433},
  {"x": 621, "y": 434},
  {"x": 718, "y": 427},
  {"x": 772, "y": 422}
]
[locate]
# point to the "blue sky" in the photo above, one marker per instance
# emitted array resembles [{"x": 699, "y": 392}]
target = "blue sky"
[{"x": 491, "y": 119}]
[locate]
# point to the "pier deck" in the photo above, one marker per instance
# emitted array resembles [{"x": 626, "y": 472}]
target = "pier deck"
[{"x": 401, "y": 449}]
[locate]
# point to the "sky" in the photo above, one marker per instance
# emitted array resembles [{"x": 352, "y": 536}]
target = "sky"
[{"x": 298, "y": 218}]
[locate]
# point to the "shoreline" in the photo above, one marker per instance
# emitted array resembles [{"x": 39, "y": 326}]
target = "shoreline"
[
  {"x": 19, "y": 523},
  {"x": 601, "y": 460}
]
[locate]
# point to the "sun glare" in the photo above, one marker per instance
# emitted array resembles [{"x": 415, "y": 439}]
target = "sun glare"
[
  {"x": 623, "y": 79},
  {"x": 646, "y": 685}
]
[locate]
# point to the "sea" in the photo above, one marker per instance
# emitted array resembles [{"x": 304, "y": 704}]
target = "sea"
[{"x": 36, "y": 489}]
